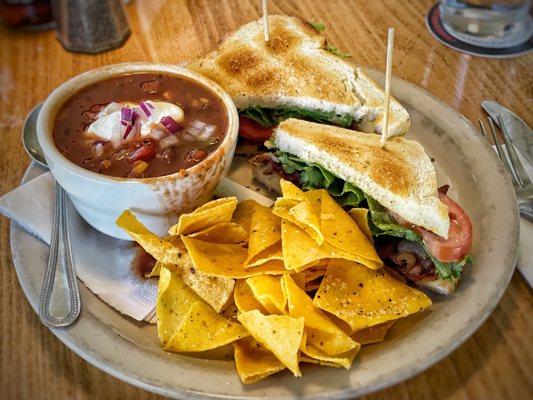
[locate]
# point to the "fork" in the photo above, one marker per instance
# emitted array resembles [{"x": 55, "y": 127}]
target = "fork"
[{"x": 521, "y": 182}]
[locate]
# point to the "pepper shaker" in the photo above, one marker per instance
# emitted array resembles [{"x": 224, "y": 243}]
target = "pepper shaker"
[{"x": 90, "y": 26}]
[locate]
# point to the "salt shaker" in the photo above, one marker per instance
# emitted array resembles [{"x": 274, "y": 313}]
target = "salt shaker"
[{"x": 90, "y": 26}]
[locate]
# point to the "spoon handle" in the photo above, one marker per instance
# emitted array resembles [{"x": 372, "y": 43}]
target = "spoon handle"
[{"x": 60, "y": 297}]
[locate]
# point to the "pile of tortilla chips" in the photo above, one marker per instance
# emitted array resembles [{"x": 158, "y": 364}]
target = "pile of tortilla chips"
[{"x": 298, "y": 282}]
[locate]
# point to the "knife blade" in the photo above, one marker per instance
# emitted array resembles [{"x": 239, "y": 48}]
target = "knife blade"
[{"x": 521, "y": 134}]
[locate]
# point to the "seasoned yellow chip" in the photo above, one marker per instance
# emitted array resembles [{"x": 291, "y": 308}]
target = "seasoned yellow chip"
[
  {"x": 341, "y": 231},
  {"x": 224, "y": 232},
  {"x": 226, "y": 260},
  {"x": 162, "y": 250},
  {"x": 315, "y": 273},
  {"x": 294, "y": 239},
  {"x": 253, "y": 361},
  {"x": 360, "y": 216},
  {"x": 373, "y": 334},
  {"x": 155, "y": 271},
  {"x": 363, "y": 297},
  {"x": 321, "y": 332},
  {"x": 243, "y": 214},
  {"x": 315, "y": 199},
  {"x": 299, "y": 279},
  {"x": 245, "y": 299},
  {"x": 301, "y": 214},
  {"x": 280, "y": 334},
  {"x": 274, "y": 252},
  {"x": 267, "y": 291},
  {"x": 342, "y": 360},
  {"x": 181, "y": 314},
  {"x": 265, "y": 232},
  {"x": 290, "y": 191},
  {"x": 212, "y": 213},
  {"x": 214, "y": 290}
]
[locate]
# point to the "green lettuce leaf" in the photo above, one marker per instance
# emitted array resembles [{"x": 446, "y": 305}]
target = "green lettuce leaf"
[
  {"x": 314, "y": 176},
  {"x": 319, "y": 26},
  {"x": 268, "y": 117},
  {"x": 336, "y": 51}
]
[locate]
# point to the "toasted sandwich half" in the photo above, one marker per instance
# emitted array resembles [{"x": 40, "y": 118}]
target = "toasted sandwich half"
[
  {"x": 418, "y": 231},
  {"x": 294, "y": 75}
]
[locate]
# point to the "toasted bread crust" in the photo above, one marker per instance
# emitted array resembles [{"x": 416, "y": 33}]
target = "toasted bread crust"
[{"x": 293, "y": 69}]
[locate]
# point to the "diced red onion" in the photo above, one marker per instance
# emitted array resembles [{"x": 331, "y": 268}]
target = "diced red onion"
[
  {"x": 158, "y": 134},
  {"x": 198, "y": 124},
  {"x": 170, "y": 140},
  {"x": 145, "y": 107},
  {"x": 207, "y": 132},
  {"x": 126, "y": 115},
  {"x": 98, "y": 149},
  {"x": 128, "y": 130},
  {"x": 187, "y": 136},
  {"x": 191, "y": 130},
  {"x": 170, "y": 123}
]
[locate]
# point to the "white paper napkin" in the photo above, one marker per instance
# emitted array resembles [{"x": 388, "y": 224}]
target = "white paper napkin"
[{"x": 31, "y": 206}]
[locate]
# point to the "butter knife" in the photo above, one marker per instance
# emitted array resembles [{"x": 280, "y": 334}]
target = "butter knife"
[{"x": 520, "y": 133}]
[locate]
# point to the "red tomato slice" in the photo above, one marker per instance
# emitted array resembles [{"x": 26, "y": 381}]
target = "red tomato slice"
[
  {"x": 459, "y": 241},
  {"x": 250, "y": 129}
]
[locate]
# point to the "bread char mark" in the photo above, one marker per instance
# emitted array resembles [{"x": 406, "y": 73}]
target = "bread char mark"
[{"x": 383, "y": 167}]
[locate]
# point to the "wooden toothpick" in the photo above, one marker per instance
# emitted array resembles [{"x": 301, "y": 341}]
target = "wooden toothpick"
[
  {"x": 265, "y": 19},
  {"x": 388, "y": 73}
]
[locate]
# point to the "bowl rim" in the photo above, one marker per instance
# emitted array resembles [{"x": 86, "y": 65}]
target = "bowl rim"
[{"x": 63, "y": 92}]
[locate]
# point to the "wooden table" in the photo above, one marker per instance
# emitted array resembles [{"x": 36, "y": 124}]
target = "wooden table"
[{"x": 495, "y": 363}]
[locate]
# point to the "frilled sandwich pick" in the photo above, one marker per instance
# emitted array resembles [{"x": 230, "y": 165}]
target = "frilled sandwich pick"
[{"x": 419, "y": 231}]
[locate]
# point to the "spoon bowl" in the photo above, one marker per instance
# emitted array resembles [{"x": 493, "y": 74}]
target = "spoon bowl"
[{"x": 29, "y": 137}]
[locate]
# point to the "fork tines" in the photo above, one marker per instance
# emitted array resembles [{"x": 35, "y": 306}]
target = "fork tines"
[{"x": 508, "y": 157}]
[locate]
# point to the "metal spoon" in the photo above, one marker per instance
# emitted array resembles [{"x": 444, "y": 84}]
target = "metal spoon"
[{"x": 59, "y": 305}]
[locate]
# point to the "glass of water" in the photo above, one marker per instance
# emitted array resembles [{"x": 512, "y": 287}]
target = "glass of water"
[{"x": 488, "y": 23}]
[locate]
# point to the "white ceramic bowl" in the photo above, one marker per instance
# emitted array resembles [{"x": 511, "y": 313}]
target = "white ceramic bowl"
[{"x": 157, "y": 201}]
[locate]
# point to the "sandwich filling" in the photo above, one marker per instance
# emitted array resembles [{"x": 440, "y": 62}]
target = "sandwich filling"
[
  {"x": 410, "y": 250},
  {"x": 269, "y": 117}
]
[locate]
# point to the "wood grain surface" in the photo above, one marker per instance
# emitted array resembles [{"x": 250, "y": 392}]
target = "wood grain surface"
[{"x": 496, "y": 363}]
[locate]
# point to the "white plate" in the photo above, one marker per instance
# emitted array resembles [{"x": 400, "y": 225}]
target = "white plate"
[{"x": 130, "y": 350}]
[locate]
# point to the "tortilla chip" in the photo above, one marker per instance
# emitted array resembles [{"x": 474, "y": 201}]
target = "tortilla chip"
[
  {"x": 309, "y": 360},
  {"x": 280, "y": 334},
  {"x": 214, "y": 290},
  {"x": 155, "y": 271},
  {"x": 374, "y": 334},
  {"x": 290, "y": 191},
  {"x": 341, "y": 232},
  {"x": 265, "y": 232},
  {"x": 226, "y": 260},
  {"x": 272, "y": 253},
  {"x": 224, "y": 232},
  {"x": 243, "y": 214},
  {"x": 321, "y": 332},
  {"x": 299, "y": 279},
  {"x": 340, "y": 360},
  {"x": 360, "y": 216},
  {"x": 244, "y": 298},
  {"x": 211, "y": 213},
  {"x": 181, "y": 314},
  {"x": 301, "y": 214},
  {"x": 267, "y": 291},
  {"x": 363, "y": 297},
  {"x": 294, "y": 239},
  {"x": 158, "y": 248},
  {"x": 253, "y": 361},
  {"x": 314, "y": 273}
]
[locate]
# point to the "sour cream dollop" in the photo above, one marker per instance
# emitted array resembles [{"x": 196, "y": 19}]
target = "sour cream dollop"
[{"x": 109, "y": 126}]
